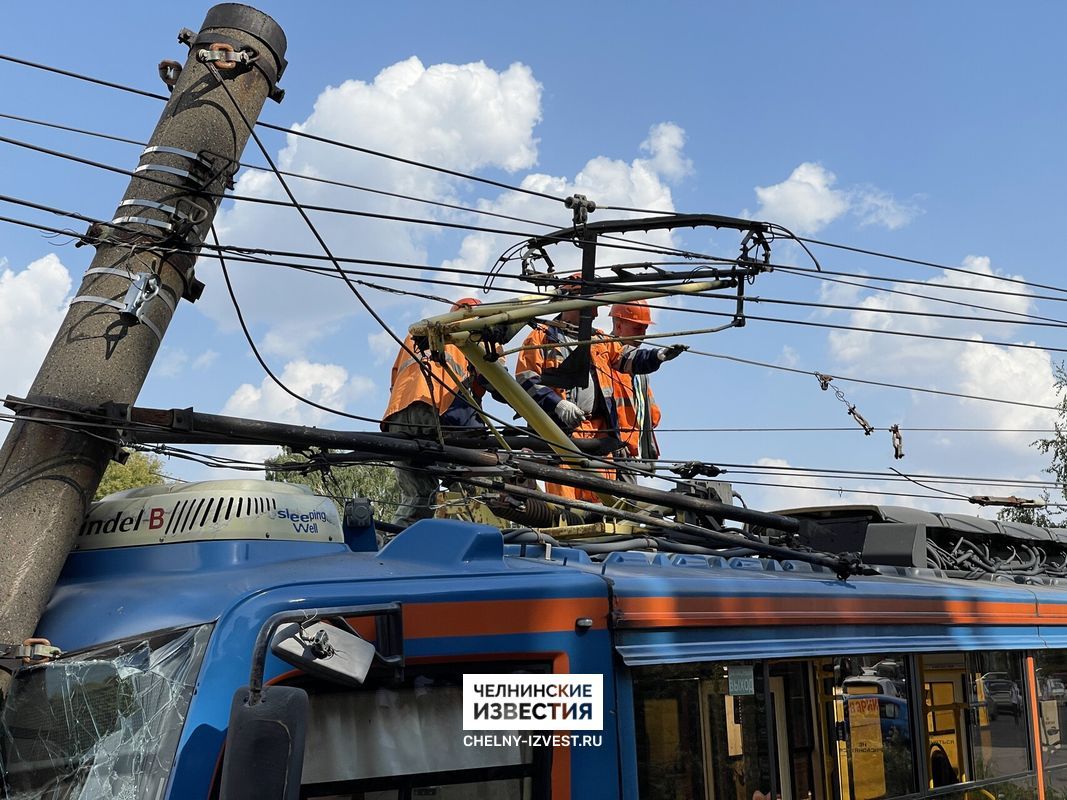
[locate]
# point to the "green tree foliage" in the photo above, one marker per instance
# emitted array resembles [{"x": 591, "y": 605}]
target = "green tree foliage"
[
  {"x": 359, "y": 480},
  {"x": 1056, "y": 448},
  {"x": 140, "y": 469}
]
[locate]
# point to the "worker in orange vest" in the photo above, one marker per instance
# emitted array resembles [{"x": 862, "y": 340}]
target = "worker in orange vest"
[
  {"x": 636, "y": 405},
  {"x": 587, "y": 411},
  {"x": 424, "y": 395}
]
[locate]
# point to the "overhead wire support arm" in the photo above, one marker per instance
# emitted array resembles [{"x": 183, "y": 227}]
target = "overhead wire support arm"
[{"x": 646, "y": 224}]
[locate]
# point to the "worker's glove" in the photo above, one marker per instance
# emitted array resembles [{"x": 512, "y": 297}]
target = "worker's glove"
[
  {"x": 671, "y": 352},
  {"x": 569, "y": 414}
]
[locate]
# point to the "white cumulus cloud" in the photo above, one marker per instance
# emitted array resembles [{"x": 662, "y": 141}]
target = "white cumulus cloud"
[
  {"x": 809, "y": 200},
  {"x": 665, "y": 144},
  {"x": 637, "y": 183},
  {"x": 805, "y": 202},
  {"x": 463, "y": 117},
  {"x": 33, "y": 302},
  {"x": 328, "y": 385},
  {"x": 1016, "y": 374}
]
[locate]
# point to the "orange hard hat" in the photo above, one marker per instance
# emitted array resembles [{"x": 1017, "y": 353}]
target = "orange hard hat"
[
  {"x": 634, "y": 311},
  {"x": 466, "y": 302}
]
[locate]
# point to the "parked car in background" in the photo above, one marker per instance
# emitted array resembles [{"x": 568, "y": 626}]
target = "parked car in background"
[{"x": 1002, "y": 696}]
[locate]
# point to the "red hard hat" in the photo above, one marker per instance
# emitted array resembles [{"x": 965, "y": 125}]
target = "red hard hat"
[
  {"x": 634, "y": 311},
  {"x": 465, "y": 302}
]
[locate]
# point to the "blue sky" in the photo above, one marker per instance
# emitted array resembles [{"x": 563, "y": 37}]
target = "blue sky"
[{"x": 928, "y": 130}]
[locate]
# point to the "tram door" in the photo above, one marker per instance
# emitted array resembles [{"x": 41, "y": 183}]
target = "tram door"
[
  {"x": 865, "y": 717},
  {"x": 945, "y": 707},
  {"x": 795, "y": 744}
]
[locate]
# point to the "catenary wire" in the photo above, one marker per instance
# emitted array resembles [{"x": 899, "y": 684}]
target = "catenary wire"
[
  {"x": 311, "y": 178},
  {"x": 500, "y": 184},
  {"x": 638, "y": 247},
  {"x": 932, "y": 264},
  {"x": 505, "y": 186},
  {"x": 367, "y": 306},
  {"x": 795, "y": 271},
  {"x": 909, "y": 334},
  {"x": 287, "y": 131},
  {"x": 811, "y": 373},
  {"x": 886, "y": 290},
  {"x": 336, "y": 143},
  {"x": 887, "y": 311},
  {"x": 91, "y": 220},
  {"x": 840, "y": 490},
  {"x": 948, "y": 287},
  {"x": 755, "y": 299},
  {"x": 325, "y": 271},
  {"x": 223, "y": 462},
  {"x": 860, "y": 475},
  {"x": 262, "y": 363}
]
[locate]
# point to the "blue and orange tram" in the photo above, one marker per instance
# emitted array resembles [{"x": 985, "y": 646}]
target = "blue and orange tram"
[{"x": 725, "y": 677}]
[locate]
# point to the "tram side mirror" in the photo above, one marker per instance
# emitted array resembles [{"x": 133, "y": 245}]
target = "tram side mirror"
[
  {"x": 265, "y": 745},
  {"x": 323, "y": 650}
]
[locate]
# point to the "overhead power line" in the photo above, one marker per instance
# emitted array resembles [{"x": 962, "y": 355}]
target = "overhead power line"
[
  {"x": 948, "y": 287},
  {"x": 840, "y": 490},
  {"x": 328, "y": 271},
  {"x": 860, "y": 475},
  {"x": 639, "y": 247},
  {"x": 858, "y": 329},
  {"x": 289, "y": 131},
  {"x": 892, "y": 312},
  {"x": 684, "y": 310},
  {"x": 309, "y": 178},
  {"x": 920, "y": 296},
  {"x": 809, "y": 373},
  {"x": 932, "y": 264},
  {"x": 850, "y": 429},
  {"x": 803, "y": 241}
]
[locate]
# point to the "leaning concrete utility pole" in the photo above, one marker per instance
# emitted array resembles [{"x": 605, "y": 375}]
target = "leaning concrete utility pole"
[{"x": 143, "y": 267}]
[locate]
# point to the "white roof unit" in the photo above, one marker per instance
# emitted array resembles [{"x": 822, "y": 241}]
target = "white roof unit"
[{"x": 207, "y": 511}]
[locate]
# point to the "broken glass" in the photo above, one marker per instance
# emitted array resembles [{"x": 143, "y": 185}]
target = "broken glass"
[{"x": 102, "y": 723}]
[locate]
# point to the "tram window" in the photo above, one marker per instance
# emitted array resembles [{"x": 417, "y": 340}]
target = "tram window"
[
  {"x": 998, "y": 694},
  {"x": 975, "y": 713},
  {"x": 408, "y": 741},
  {"x": 704, "y": 731},
  {"x": 668, "y": 730},
  {"x": 1051, "y": 670},
  {"x": 944, "y": 713},
  {"x": 871, "y": 712},
  {"x": 800, "y": 752}
]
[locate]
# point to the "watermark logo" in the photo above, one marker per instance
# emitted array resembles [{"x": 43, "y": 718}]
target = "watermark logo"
[{"x": 511, "y": 702}]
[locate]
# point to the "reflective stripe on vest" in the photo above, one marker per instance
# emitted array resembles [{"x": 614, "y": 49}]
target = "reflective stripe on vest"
[{"x": 412, "y": 361}]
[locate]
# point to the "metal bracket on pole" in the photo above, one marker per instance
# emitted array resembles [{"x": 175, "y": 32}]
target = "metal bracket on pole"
[{"x": 144, "y": 286}]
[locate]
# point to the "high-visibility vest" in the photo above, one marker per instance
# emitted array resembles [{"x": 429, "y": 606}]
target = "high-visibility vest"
[
  {"x": 409, "y": 383},
  {"x": 606, "y": 359},
  {"x": 603, "y": 356},
  {"x": 628, "y": 408}
]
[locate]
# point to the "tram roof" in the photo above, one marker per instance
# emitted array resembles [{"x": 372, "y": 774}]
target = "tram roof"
[{"x": 105, "y": 595}]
